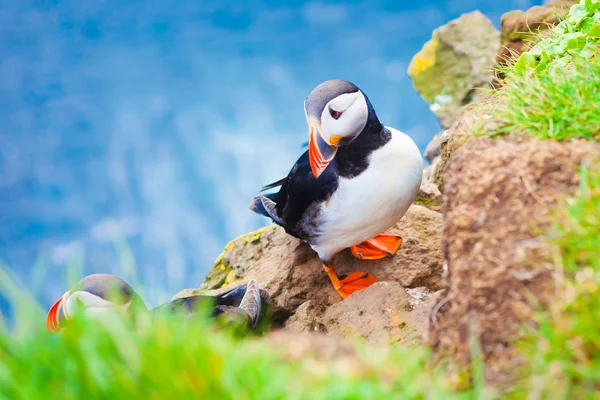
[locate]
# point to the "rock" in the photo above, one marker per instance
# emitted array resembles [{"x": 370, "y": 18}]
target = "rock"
[
  {"x": 307, "y": 318},
  {"x": 519, "y": 27},
  {"x": 382, "y": 313},
  {"x": 455, "y": 63},
  {"x": 432, "y": 151},
  {"x": 292, "y": 273},
  {"x": 429, "y": 194},
  {"x": 430, "y": 171},
  {"x": 472, "y": 118},
  {"x": 499, "y": 194}
]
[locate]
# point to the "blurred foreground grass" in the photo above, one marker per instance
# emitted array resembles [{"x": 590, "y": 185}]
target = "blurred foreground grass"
[{"x": 114, "y": 359}]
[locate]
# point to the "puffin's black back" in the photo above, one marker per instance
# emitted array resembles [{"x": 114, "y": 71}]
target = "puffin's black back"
[
  {"x": 190, "y": 304},
  {"x": 299, "y": 191}
]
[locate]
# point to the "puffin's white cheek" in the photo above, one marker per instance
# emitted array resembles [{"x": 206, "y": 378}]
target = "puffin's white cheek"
[
  {"x": 328, "y": 126},
  {"x": 82, "y": 300},
  {"x": 352, "y": 120},
  {"x": 357, "y": 116}
]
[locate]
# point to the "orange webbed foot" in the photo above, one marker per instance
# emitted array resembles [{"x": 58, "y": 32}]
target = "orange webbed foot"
[
  {"x": 377, "y": 248},
  {"x": 350, "y": 284}
]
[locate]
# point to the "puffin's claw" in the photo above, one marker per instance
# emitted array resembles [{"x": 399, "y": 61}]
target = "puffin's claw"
[
  {"x": 350, "y": 284},
  {"x": 355, "y": 281},
  {"x": 377, "y": 248}
]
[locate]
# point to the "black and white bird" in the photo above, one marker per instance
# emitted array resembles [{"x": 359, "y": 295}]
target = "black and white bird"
[
  {"x": 99, "y": 295},
  {"x": 357, "y": 179}
]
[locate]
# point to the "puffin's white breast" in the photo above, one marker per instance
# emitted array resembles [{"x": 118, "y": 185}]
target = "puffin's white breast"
[{"x": 368, "y": 204}]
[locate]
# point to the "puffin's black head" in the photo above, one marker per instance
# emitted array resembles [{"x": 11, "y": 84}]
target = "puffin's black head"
[
  {"x": 336, "y": 112},
  {"x": 95, "y": 295}
]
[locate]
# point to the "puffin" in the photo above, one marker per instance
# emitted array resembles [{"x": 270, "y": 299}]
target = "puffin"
[
  {"x": 356, "y": 180},
  {"x": 97, "y": 295}
]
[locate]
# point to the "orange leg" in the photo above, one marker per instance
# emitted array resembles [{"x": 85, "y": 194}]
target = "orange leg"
[
  {"x": 350, "y": 284},
  {"x": 377, "y": 248}
]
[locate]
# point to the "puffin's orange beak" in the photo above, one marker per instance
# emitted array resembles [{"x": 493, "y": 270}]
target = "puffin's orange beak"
[
  {"x": 320, "y": 153},
  {"x": 52, "y": 320}
]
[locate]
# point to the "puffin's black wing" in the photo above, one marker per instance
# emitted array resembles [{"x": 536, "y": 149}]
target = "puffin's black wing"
[
  {"x": 246, "y": 301},
  {"x": 190, "y": 304},
  {"x": 299, "y": 190},
  {"x": 185, "y": 305}
]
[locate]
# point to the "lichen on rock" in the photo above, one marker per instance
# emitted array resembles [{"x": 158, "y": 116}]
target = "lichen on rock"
[
  {"x": 455, "y": 63},
  {"x": 226, "y": 269}
]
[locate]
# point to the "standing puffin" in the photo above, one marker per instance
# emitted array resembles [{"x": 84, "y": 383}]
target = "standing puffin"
[
  {"x": 356, "y": 180},
  {"x": 97, "y": 295}
]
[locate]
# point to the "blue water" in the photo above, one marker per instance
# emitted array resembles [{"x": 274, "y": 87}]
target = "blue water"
[{"x": 133, "y": 134}]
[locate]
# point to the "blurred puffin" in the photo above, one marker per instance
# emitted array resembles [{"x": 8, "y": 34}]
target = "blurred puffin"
[
  {"x": 356, "y": 180},
  {"x": 97, "y": 295}
]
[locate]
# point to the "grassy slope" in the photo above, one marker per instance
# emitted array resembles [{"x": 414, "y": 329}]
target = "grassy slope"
[{"x": 553, "y": 91}]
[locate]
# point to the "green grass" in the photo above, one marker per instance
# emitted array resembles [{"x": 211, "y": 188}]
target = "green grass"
[
  {"x": 167, "y": 360},
  {"x": 552, "y": 91},
  {"x": 553, "y": 106},
  {"x": 564, "y": 354}
]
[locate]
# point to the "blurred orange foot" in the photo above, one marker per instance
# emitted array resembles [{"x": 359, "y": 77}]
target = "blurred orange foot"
[
  {"x": 377, "y": 248},
  {"x": 350, "y": 284}
]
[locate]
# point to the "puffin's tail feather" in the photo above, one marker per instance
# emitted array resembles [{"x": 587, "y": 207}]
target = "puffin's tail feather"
[
  {"x": 251, "y": 302},
  {"x": 257, "y": 206},
  {"x": 274, "y": 184},
  {"x": 264, "y": 205}
]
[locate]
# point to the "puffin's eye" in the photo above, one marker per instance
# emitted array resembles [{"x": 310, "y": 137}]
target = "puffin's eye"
[{"x": 334, "y": 113}]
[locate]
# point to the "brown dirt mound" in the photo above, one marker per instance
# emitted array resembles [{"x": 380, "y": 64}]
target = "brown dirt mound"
[{"x": 497, "y": 194}]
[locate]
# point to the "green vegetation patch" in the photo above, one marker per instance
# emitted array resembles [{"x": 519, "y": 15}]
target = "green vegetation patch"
[
  {"x": 556, "y": 106},
  {"x": 432, "y": 204},
  {"x": 553, "y": 90}
]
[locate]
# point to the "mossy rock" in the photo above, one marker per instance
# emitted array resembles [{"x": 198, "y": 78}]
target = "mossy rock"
[
  {"x": 432, "y": 204},
  {"x": 457, "y": 61},
  {"x": 224, "y": 272}
]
